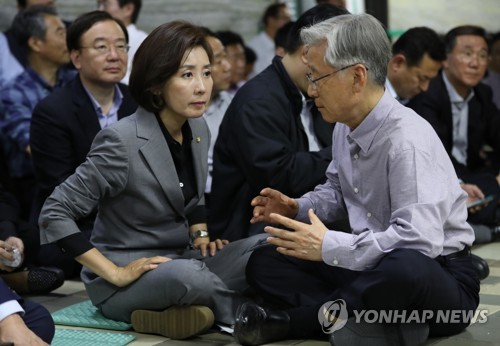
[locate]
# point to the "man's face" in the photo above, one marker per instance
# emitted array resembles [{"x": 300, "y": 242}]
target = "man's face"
[
  {"x": 236, "y": 57},
  {"x": 331, "y": 94},
  {"x": 409, "y": 81},
  {"x": 102, "y": 57},
  {"x": 53, "y": 46},
  {"x": 466, "y": 64},
  {"x": 221, "y": 69}
]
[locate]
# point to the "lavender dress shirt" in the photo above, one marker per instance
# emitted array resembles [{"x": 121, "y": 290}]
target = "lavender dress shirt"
[{"x": 393, "y": 179}]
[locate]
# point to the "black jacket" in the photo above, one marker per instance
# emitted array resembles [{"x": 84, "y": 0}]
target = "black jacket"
[
  {"x": 63, "y": 126},
  {"x": 483, "y": 124},
  {"x": 262, "y": 143}
]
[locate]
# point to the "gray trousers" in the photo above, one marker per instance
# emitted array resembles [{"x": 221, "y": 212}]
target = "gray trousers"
[{"x": 189, "y": 279}]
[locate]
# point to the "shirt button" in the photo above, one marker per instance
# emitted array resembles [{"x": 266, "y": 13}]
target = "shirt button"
[
  {"x": 356, "y": 190},
  {"x": 369, "y": 214},
  {"x": 335, "y": 262},
  {"x": 181, "y": 184},
  {"x": 356, "y": 156}
]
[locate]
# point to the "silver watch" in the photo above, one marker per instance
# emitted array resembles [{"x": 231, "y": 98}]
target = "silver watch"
[{"x": 201, "y": 233}]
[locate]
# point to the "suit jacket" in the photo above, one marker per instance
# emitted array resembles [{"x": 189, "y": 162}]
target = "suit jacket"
[
  {"x": 483, "y": 124},
  {"x": 6, "y": 293},
  {"x": 262, "y": 143},
  {"x": 63, "y": 126},
  {"x": 130, "y": 175}
]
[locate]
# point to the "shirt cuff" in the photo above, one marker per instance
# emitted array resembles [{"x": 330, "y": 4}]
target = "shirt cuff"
[
  {"x": 10, "y": 307},
  {"x": 75, "y": 244},
  {"x": 334, "y": 250}
]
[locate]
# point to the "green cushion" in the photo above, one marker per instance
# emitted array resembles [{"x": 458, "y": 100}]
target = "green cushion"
[
  {"x": 85, "y": 314},
  {"x": 74, "y": 337}
]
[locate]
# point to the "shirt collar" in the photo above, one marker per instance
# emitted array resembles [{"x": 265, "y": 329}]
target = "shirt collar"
[
  {"x": 364, "y": 134},
  {"x": 117, "y": 99},
  {"x": 454, "y": 96}
]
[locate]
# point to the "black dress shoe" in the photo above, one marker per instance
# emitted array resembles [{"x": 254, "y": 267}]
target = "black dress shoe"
[
  {"x": 256, "y": 325},
  {"x": 481, "y": 266}
]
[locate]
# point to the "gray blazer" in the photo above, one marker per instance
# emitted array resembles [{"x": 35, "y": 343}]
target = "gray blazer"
[{"x": 129, "y": 175}]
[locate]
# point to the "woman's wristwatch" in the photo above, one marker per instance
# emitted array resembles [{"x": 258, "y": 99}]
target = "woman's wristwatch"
[{"x": 201, "y": 233}]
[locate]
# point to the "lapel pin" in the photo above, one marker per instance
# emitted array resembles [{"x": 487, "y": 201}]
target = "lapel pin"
[{"x": 198, "y": 139}]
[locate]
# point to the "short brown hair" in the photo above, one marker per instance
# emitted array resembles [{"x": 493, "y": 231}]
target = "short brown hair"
[{"x": 159, "y": 58}]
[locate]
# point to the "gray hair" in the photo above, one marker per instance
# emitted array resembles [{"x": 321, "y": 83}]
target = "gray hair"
[
  {"x": 353, "y": 39},
  {"x": 31, "y": 23}
]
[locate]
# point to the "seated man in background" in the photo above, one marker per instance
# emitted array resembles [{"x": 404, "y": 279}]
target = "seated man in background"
[
  {"x": 128, "y": 12},
  {"x": 219, "y": 100},
  {"x": 235, "y": 53},
  {"x": 417, "y": 57},
  {"x": 42, "y": 32},
  {"x": 493, "y": 74},
  {"x": 391, "y": 176},
  {"x": 271, "y": 135},
  {"x": 461, "y": 110},
  {"x": 65, "y": 123}
]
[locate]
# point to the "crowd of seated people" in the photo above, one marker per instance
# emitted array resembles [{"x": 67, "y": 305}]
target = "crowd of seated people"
[{"x": 225, "y": 141}]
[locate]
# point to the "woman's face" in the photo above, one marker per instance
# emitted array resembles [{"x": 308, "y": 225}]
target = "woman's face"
[{"x": 188, "y": 91}]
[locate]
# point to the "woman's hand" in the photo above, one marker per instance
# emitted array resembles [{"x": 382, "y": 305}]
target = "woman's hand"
[
  {"x": 124, "y": 276},
  {"x": 204, "y": 244}
]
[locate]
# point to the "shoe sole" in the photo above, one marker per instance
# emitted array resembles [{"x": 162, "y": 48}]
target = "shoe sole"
[{"x": 176, "y": 322}]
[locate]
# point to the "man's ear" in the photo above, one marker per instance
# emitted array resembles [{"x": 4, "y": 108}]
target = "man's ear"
[
  {"x": 75, "y": 57},
  {"x": 360, "y": 78},
  {"x": 398, "y": 61},
  {"x": 35, "y": 43}
]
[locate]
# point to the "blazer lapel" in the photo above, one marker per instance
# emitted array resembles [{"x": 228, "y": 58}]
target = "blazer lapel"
[
  {"x": 157, "y": 155},
  {"x": 199, "y": 148}
]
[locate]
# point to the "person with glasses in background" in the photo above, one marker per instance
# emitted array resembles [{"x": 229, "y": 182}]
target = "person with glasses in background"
[
  {"x": 391, "y": 176},
  {"x": 461, "y": 110},
  {"x": 128, "y": 12},
  {"x": 65, "y": 123},
  {"x": 41, "y": 33}
]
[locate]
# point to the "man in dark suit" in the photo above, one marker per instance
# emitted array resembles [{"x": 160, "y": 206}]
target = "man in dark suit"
[
  {"x": 65, "y": 124},
  {"x": 271, "y": 135},
  {"x": 461, "y": 110},
  {"x": 23, "y": 322}
]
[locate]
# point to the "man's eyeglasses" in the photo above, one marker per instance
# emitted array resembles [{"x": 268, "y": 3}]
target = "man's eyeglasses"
[
  {"x": 103, "y": 49},
  {"x": 314, "y": 82}
]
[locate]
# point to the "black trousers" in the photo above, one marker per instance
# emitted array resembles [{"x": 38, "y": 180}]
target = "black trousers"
[
  {"x": 402, "y": 280},
  {"x": 38, "y": 320}
]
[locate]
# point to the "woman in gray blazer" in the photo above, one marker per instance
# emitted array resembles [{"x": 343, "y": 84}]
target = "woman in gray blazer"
[{"x": 150, "y": 259}]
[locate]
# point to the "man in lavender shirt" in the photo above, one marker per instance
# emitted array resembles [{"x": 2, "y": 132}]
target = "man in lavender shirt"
[{"x": 391, "y": 176}]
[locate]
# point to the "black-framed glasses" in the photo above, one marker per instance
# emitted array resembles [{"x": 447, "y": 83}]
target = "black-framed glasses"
[
  {"x": 314, "y": 82},
  {"x": 103, "y": 49}
]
